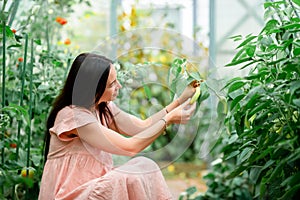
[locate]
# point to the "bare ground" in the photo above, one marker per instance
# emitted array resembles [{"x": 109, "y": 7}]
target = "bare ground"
[{"x": 180, "y": 176}]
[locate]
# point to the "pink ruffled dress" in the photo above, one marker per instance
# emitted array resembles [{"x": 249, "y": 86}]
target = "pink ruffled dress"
[{"x": 76, "y": 170}]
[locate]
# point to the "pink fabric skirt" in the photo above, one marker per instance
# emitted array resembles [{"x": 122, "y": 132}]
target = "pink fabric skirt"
[{"x": 138, "y": 179}]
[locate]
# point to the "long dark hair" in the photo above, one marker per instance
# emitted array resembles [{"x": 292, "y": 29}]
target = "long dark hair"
[{"x": 84, "y": 86}]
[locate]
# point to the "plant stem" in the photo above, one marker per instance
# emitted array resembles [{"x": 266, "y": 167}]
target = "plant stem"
[
  {"x": 3, "y": 86},
  {"x": 3, "y": 75},
  {"x": 30, "y": 104},
  {"x": 4, "y": 62},
  {"x": 47, "y": 38},
  {"x": 30, "y": 117},
  {"x": 22, "y": 92},
  {"x": 24, "y": 70},
  {"x": 21, "y": 100}
]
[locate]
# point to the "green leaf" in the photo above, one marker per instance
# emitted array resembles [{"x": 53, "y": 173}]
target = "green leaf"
[
  {"x": 262, "y": 188},
  {"x": 236, "y": 37},
  {"x": 178, "y": 71},
  {"x": 195, "y": 75},
  {"x": 232, "y": 154},
  {"x": 204, "y": 92},
  {"x": 238, "y": 61},
  {"x": 210, "y": 176},
  {"x": 147, "y": 91},
  {"x": 191, "y": 190},
  {"x": 236, "y": 100},
  {"x": 38, "y": 41},
  {"x": 18, "y": 110},
  {"x": 277, "y": 171},
  {"x": 239, "y": 55},
  {"x": 273, "y": 4},
  {"x": 271, "y": 24},
  {"x": 233, "y": 138},
  {"x": 254, "y": 174},
  {"x": 292, "y": 180},
  {"x": 296, "y": 51},
  {"x": 295, "y": 85},
  {"x": 246, "y": 153},
  {"x": 250, "y": 50},
  {"x": 231, "y": 81},
  {"x": 264, "y": 154},
  {"x": 43, "y": 87},
  {"x": 237, "y": 171},
  {"x": 295, "y": 155},
  {"x": 252, "y": 96},
  {"x": 14, "y": 45},
  {"x": 296, "y": 102},
  {"x": 259, "y": 108},
  {"x": 249, "y": 39},
  {"x": 267, "y": 4},
  {"x": 250, "y": 63},
  {"x": 291, "y": 26},
  {"x": 291, "y": 192},
  {"x": 277, "y": 61},
  {"x": 236, "y": 85},
  {"x": 297, "y": 2},
  {"x": 8, "y": 32},
  {"x": 268, "y": 164}
]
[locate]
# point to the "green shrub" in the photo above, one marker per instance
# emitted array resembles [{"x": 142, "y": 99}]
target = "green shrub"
[{"x": 261, "y": 149}]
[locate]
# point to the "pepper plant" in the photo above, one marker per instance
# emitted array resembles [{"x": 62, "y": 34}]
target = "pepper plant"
[
  {"x": 264, "y": 118},
  {"x": 260, "y": 154}
]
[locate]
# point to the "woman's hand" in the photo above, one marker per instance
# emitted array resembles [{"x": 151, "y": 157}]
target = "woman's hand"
[
  {"x": 181, "y": 114},
  {"x": 188, "y": 91}
]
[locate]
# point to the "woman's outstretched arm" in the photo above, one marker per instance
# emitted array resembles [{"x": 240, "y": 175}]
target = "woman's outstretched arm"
[
  {"x": 108, "y": 140},
  {"x": 130, "y": 125}
]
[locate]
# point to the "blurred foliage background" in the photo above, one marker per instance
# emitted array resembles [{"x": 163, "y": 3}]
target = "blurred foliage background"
[{"x": 39, "y": 40}]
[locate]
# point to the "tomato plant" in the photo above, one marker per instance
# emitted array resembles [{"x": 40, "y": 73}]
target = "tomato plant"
[{"x": 33, "y": 66}]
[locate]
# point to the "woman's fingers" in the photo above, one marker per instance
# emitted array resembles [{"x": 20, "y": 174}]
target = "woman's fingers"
[
  {"x": 183, "y": 113},
  {"x": 187, "y": 106},
  {"x": 187, "y": 110}
]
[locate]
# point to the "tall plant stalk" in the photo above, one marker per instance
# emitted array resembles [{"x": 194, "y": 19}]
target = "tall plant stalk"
[
  {"x": 30, "y": 116},
  {"x": 30, "y": 105},
  {"x": 3, "y": 83},
  {"x": 22, "y": 93}
]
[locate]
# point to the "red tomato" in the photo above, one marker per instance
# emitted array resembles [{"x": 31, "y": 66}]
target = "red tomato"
[
  {"x": 61, "y": 21},
  {"x": 13, "y": 145},
  {"x": 67, "y": 41}
]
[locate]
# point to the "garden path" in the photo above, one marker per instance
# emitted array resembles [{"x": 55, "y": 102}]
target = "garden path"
[{"x": 180, "y": 176}]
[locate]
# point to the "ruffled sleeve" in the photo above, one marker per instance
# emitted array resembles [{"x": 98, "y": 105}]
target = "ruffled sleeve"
[{"x": 70, "y": 118}]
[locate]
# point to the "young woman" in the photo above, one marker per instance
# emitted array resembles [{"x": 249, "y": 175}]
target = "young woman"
[{"x": 85, "y": 128}]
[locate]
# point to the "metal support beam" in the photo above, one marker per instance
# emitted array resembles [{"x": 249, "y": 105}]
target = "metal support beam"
[
  {"x": 250, "y": 12},
  {"x": 195, "y": 25},
  {"x": 113, "y": 26},
  {"x": 212, "y": 35}
]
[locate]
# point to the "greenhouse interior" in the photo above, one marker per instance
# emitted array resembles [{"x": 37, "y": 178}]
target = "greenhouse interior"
[{"x": 192, "y": 99}]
